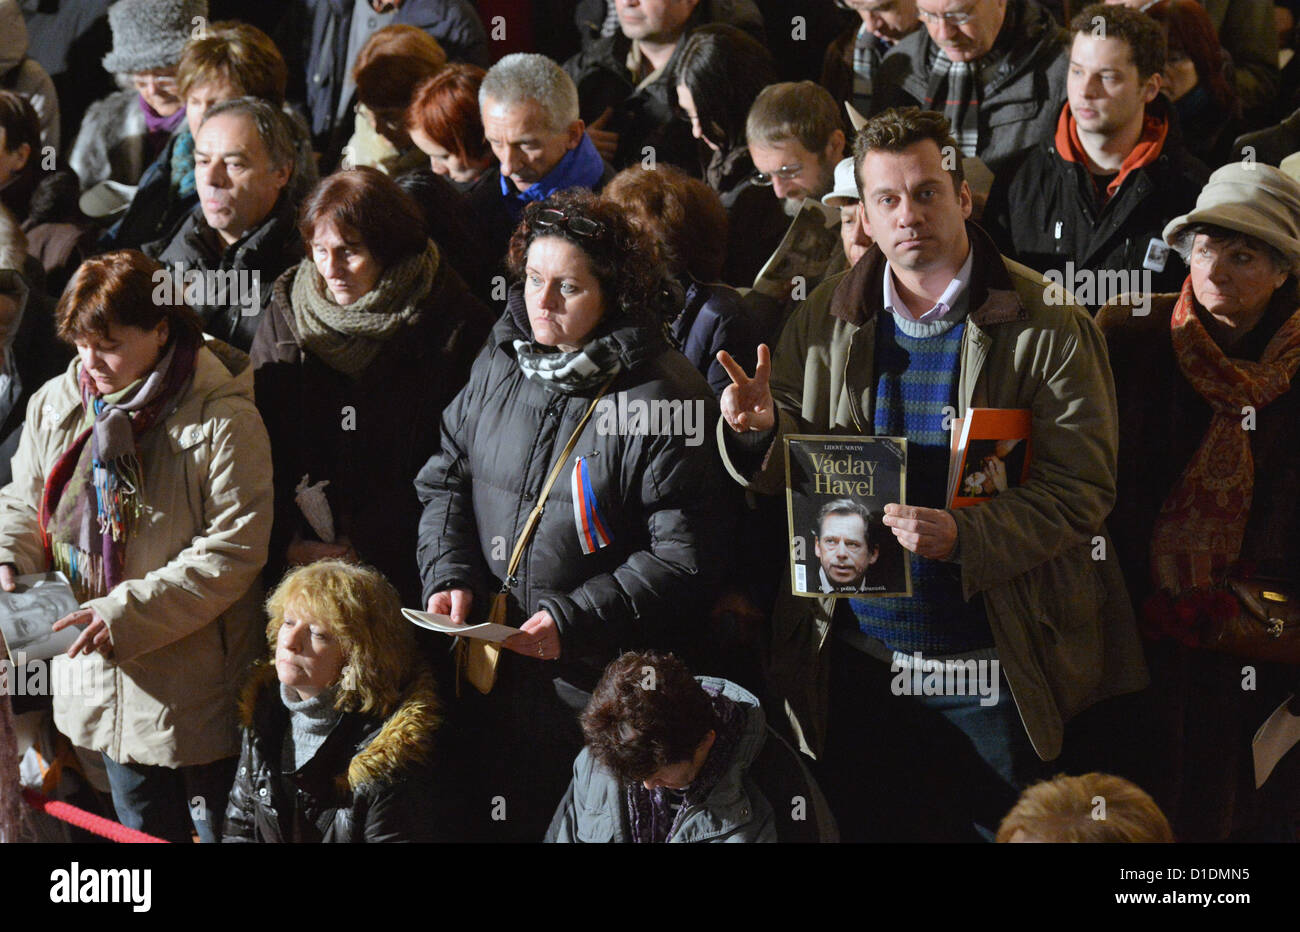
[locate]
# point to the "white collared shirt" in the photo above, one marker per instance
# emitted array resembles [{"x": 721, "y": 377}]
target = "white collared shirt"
[{"x": 896, "y": 306}]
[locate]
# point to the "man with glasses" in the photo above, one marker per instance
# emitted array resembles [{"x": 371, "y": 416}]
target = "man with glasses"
[
  {"x": 795, "y": 141},
  {"x": 849, "y": 68},
  {"x": 994, "y": 68}
]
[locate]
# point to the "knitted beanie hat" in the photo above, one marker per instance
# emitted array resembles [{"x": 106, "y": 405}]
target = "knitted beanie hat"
[
  {"x": 149, "y": 34},
  {"x": 1251, "y": 198}
]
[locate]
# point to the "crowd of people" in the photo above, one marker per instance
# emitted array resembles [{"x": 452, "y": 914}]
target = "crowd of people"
[{"x": 505, "y": 312}]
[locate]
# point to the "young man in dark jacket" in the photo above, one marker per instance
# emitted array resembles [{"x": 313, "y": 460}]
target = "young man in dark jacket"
[
  {"x": 632, "y": 75},
  {"x": 1087, "y": 209}
]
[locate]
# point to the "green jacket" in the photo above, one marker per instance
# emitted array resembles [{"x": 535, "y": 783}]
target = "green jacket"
[{"x": 1061, "y": 620}]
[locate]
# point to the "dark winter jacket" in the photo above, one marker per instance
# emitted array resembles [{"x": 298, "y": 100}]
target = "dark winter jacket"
[
  {"x": 367, "y": 437},
  {"x": 648, "y": 115},
  {"x": 715, "y": 318},
  {"x": 755, "y": 220},
  {"x": 371, "y": 781},
  {"x": 1043, "y": 211},
  {"x": 1022, "y": 91},
  {"x": 320, "y": 32},
  {"x": 257, "y": 260},
  {"x": 659, "y": 495}
]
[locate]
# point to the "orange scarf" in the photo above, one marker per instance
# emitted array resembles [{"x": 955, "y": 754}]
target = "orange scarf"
[
  {"x": 1199, "y": 531},
  {"x": 1147, "y": 150}
]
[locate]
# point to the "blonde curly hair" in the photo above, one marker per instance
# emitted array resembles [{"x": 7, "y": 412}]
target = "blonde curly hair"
[{"x": 363, "y": 610}]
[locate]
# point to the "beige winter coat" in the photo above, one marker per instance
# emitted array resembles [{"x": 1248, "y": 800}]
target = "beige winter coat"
[{"x": 187, "y": 620}]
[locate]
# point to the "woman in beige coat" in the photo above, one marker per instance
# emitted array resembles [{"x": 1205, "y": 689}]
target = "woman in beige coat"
[{"x": 144, "y": 475}]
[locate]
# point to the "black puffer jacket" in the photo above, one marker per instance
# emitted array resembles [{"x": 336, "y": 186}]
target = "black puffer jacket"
[
  {"x": 647, "y": 116},
  {"x": 661, "y": 497},
  {"x": 371, "y": 781}
]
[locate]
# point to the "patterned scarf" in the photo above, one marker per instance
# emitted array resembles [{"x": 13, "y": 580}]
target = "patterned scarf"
[
  {"x": 182, "y": 167},
  {"x": 867, "y": 50},
  {"x": 954, "y": 91},
  {"x": 87, "y": 532},
  {"x": 571, "y": 372},
  {"x": 1199, "y": 531},
  {"x": 347, "y": 338}
]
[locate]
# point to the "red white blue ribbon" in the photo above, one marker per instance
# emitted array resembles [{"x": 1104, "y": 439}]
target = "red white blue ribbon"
[{"x": 591, "y": 525}]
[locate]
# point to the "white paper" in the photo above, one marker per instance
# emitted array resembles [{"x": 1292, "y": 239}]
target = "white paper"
[
  {"x": 444, "y": 625},
  {"x": 1279, "y": 734},
  {"x": 28, "y": 613}
]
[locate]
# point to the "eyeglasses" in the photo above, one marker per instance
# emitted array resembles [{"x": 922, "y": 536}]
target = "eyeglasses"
[
  {"x": 154, "y": 82},
  {"x": 952, "y": 19},
  {"x": 865, "y": 6},
  {"x": 785, "y": 173},
  {"x": 390, "y": 119},
  {"x": 551, "y": 218}
]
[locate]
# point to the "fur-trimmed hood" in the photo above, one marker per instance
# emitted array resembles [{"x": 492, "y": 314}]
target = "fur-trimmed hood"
[{"x": 388, "y": 748}]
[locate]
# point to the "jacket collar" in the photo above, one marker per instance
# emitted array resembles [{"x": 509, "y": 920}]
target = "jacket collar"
[{"x": 993, "y": 299}]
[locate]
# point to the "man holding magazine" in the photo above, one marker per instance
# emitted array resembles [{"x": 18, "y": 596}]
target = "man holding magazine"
[{"x": 1020, "y": 592}]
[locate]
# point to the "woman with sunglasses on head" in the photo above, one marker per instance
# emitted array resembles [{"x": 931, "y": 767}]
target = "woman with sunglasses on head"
[{"x": 569, "y": 406}]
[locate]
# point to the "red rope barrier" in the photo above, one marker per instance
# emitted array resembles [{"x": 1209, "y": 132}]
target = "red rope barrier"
[{"x": 106, "y": 828}]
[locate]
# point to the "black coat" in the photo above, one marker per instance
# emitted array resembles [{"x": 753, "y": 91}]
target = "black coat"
[
  {"x": 258, "y": 259},
  {"x": 370, "y": 436},
  {"x": 1043, "y": 211},
  {"x": 661, "y": 497},
  {"x": 372, "y": 779},
  {"x": 648, "y": 116}
]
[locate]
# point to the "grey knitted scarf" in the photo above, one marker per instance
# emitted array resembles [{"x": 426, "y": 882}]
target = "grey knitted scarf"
[{"x": 347, "y": 338}]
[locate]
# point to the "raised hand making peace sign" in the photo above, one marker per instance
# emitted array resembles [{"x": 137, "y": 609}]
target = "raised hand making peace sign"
[{"x": 747, "y": 403}]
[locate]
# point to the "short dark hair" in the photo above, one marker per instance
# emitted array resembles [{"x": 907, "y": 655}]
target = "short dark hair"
[
  {"x": 20, "y": 122},
  {"x": 646, "y": 713},
  {"x": 273, "y": 127},
  {"x": 800, "y": 110},
  {"x": 387, "y": 219},
  {"x": 725, "y": 69},
  {"x": 900, "y": 128},
  {"x": 1142, "y": 34},
  {"x": 1183, "y": 239},
  {"x": 621, "y": 256},
  {"x": 680, "y": 213},
  {"x": 120, "y": 288},
  {"x": 844, "y": 506},
  {"x": 445, "y": 108}
]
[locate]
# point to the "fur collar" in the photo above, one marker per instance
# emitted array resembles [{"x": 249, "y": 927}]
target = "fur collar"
[{"x": 399, "y": 743}]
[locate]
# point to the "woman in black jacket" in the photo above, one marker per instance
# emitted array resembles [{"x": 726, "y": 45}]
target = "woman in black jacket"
[
  {"x": 623, "y": 549},
  {"x": 339, "y": 731},
  {"x": 363, "y": 345}
]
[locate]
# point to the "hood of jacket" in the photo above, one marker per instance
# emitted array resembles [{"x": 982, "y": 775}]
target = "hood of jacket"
[
  {"x": 397, "y": 744},
  {"x": 13, "y": 35},
  {"x": 638, "y": 341}
]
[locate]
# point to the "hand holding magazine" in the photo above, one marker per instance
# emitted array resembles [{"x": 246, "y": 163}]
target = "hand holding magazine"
[{"x": 29, "y": 612}]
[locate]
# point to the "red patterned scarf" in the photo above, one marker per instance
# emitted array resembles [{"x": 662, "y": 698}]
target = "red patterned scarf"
[{"x": 1199, "y": 531}]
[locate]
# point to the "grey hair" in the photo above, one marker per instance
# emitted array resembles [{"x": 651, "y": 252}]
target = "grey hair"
[
  {"x": 1184, "y": 238},
  {"x": 272, "y": 126},
  {"x": 528, "y": 76}
]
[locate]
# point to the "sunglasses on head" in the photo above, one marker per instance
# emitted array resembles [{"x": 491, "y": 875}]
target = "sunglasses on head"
[{"x": 582, "y": 226}]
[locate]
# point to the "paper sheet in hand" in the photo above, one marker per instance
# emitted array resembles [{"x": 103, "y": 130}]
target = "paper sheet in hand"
[
  {"x": 28, "y": 613},
  {"x": 1275, "y": 737},
  {"x": 444, "y": 625},
  {"x": 806, "y": 249}
]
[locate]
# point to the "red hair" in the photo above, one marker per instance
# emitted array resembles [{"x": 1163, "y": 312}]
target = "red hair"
[
  {"x": 445, "y": 108},
  {"x": 1187, "y": 27}
]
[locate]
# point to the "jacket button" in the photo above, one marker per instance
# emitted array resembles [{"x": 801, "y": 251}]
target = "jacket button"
[
  {"x": 243, "y": 771},
  {"x": 528, "y": 496},
  {"x": 262, "y": 792}
]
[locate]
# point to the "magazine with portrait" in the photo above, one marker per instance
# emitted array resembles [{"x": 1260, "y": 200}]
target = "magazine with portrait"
[{"x": 836, "y": 492}]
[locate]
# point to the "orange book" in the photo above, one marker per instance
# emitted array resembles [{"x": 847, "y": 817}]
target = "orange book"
[{"x": 991, "y": 454}]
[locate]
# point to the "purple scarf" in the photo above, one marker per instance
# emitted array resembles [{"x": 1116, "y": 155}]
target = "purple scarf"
[{"x": 158, "y": 128}]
